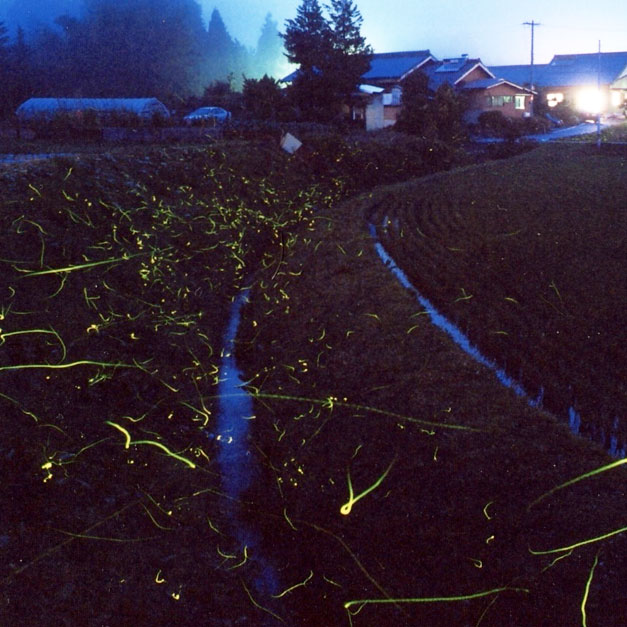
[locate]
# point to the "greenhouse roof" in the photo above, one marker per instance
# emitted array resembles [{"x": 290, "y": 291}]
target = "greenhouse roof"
[{"x": 46, "y": 107}]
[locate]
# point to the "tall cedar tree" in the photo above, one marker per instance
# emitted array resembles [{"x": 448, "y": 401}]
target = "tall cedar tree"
[
  {"x": 308, "y": 38},
  {"x": 269, "y": 53},
  {"x": 331, "y": 55},
  {"x": 5, "y": 70},
  {"x": 351, "y": 54},
  {"x": 228, "y": 60}
]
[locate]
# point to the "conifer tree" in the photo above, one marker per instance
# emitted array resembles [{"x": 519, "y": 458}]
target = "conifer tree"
[
  {"x": 351, "y": 54},
  {"x": 308, "y": 38},
  {"x": 331, "y": 55},
  {"x": 269, "y": 57},
  {"x": 228, "y": 59}
]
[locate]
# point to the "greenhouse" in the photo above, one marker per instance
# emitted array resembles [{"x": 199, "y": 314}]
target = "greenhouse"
[{"x": 48, "y": 108}]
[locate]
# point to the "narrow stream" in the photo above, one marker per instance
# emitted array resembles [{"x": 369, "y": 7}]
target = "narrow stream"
[
  {"x": 574, "y": 419},
  {"x": 19, "y": 157},
  {"x": 235, "y": 412},
  {"x": 237, "y": 465}
]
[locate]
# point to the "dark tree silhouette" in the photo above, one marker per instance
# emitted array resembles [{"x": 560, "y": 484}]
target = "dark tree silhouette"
[
  {"x": 351, "y": 54},
  {"x": 331, "y": 55},
  {"x": 431, "y": 115},
  {"x": 124, "y": 48},
  {"x": 227, "y": 58},
  {"x": 5, "y": 70},
  {"x": 263, "y": 98},
  {"x": 308, "y": 38}
]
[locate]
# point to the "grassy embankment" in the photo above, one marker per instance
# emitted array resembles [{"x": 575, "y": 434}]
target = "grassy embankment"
[
  {"x": 117, "y": 274},
  {"x": 357, "y": 390}
]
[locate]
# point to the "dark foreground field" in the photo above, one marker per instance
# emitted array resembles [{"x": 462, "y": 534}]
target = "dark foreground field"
[{"x": 400, "y": 483}]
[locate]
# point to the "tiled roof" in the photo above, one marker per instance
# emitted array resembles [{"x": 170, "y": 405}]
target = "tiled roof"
[
  {"x": 395, "y": 65},
  {"x": 519, "y": 74},
  {"x": 568, "y": 69},
  {"x": 450, "y": 71},
  {"x": 485, "y": 83}
]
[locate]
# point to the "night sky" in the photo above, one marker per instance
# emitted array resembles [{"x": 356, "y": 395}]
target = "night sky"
[{"x": 488, "y": 29}]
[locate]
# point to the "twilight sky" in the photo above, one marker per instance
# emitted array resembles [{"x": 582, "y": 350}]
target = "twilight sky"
[{"x": 489, "y": 29}]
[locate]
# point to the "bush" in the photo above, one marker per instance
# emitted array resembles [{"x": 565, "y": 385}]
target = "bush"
[
  {"x": 563, "y": 111},
  {"x": 494, "y": 123},
  {"x": 263, "y": 98},
  {"x": 375, "y": 159},
  {"x": 535, "y": 125}
]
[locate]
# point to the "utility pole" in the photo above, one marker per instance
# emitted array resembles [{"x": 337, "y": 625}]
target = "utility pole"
[
  {"x": 599, "y": 98},
  {"x": 533, "y": 25}
]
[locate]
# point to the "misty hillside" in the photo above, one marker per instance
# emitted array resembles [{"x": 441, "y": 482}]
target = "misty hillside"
[{"x": 125, "y": 48}]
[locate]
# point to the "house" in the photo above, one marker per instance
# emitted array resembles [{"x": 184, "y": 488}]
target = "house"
[
  {"x": 45, "y": 109},
  {"x": 366, "y": 106},
  {"x": 591, "y": 83},
  {"x": 387, "y": 71},
  {"x": 486, "y": 91}
]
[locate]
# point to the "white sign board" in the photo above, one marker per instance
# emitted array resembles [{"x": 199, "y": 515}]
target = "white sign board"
[{"x": 289, "y": 143}]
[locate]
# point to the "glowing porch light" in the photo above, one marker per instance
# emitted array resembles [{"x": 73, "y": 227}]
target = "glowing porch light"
[{"x": 590, "y": 100}]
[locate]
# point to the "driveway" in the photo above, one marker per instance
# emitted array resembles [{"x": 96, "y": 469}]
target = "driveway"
[{"x": 585, "y": 128}]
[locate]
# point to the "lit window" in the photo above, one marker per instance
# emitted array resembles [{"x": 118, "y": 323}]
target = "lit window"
[
  {"x": 499, "y": 101},
  {"x": 519, "y": 102},
  {"x": 617, "y": 99},
  {"x": 554, "y": 99}
]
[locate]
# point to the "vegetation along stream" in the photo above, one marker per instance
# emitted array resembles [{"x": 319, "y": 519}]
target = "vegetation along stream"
[
  {"x": 219, "y": 406},
  {"x": 574, "y": 419}
]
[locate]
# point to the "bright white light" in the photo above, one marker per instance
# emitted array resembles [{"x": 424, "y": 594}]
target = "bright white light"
[{"x": 589, "y": 100}]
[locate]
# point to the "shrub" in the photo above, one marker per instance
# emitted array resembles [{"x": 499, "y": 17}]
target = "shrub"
[
  {"x": 535, "y": 125},
  {"x": 496, "y": 124},
  {"x": 563, "y": 111}
]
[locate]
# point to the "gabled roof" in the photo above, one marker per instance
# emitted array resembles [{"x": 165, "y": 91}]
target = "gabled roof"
[
  {"x": 567, "y": 70},
  {"x": 395, "y": 66},
  {"x": 454, "y": 71},
  {"x": 519, "y": 74},
  {"x": 48, "y": 107},
  {"x": 489, "y": 83},
  {"x": 577, "y": 69},
  {"x": 621, "y": 81}
]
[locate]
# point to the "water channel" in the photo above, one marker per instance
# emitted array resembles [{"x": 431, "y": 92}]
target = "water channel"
[
  {"x": 574, "y": 419},
  {"x": 238, "y": 469},
  {"x": 20, "y": 158}
]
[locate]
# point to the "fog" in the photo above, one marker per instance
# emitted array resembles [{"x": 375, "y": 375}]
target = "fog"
[{"x": 167, "y": 49}]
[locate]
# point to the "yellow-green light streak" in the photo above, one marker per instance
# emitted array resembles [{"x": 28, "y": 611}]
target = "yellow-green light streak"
[
  {"x": 462, "y": 597},
  {"x": 586, "y": 475},
  {"x": 346, "y": 509},
  {"x": 165, "y": 449},
  {"x": 605, "y": 536},
  {"x": 586, "y": 592},
  {"x": 331, "y": 402}
]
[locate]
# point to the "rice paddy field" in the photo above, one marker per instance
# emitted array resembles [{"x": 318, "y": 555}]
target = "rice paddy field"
[{"x": 397, "y": 481}]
